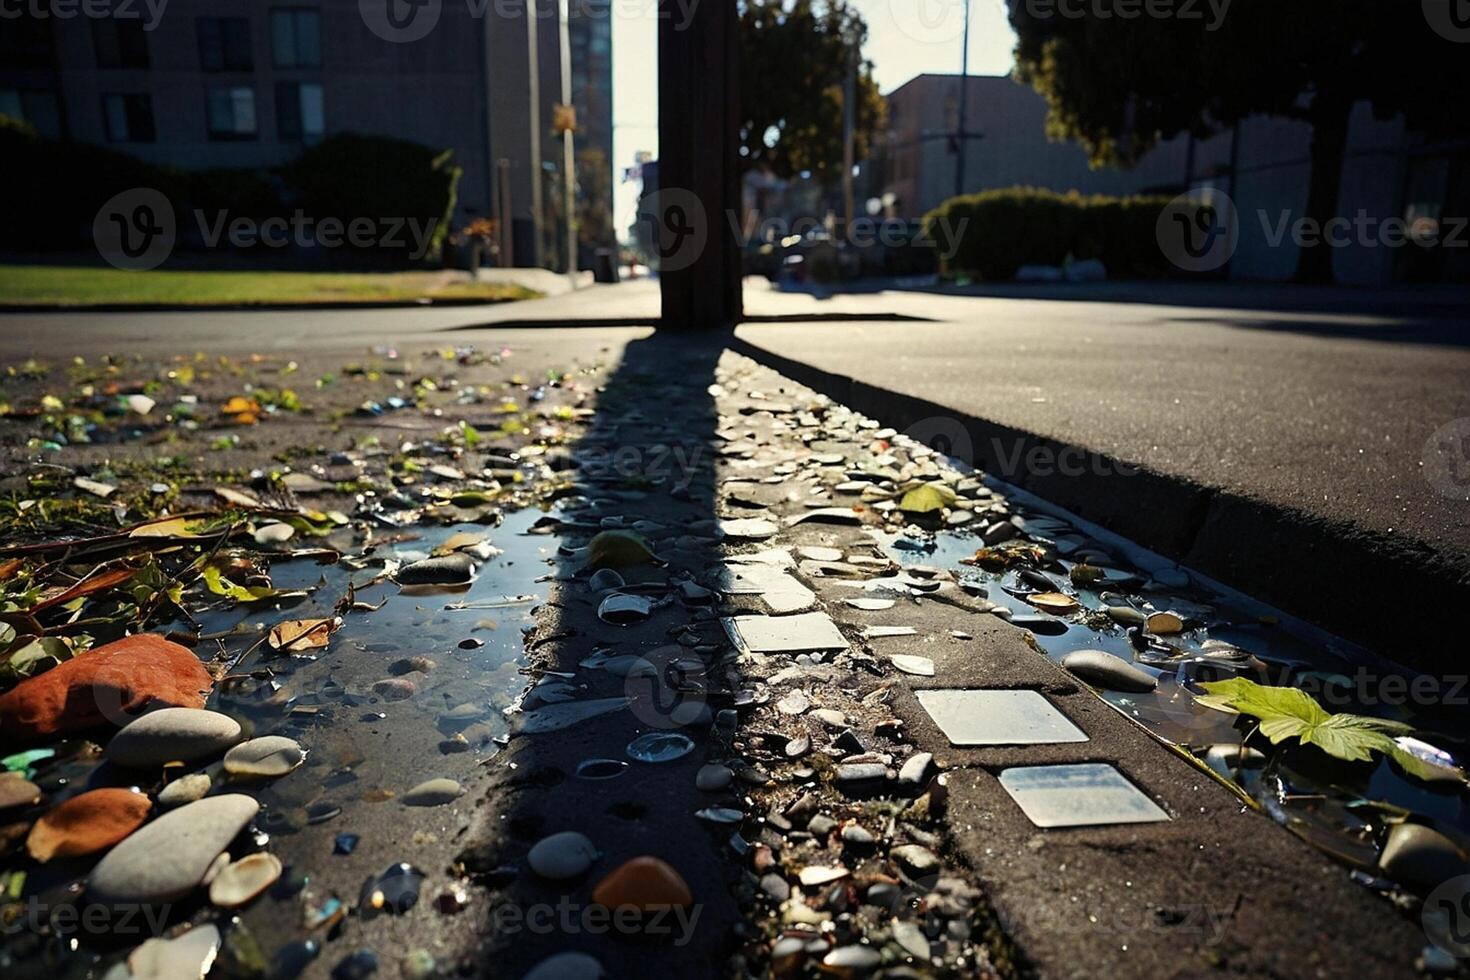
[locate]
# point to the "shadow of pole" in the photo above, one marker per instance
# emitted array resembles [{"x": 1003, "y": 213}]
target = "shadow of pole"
[{"x": 645, "y": 464}]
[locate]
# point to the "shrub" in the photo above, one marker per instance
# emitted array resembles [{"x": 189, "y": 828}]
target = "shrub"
[
  {"x": 54, "y": 188},
  {"x": 1008, "y": 228},
  {"x": 351, "y": 176}
]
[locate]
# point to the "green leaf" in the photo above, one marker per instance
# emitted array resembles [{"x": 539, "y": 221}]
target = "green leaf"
[
  {"x": 1286, "y": 712},
  {"x": 927, "y": 498}
]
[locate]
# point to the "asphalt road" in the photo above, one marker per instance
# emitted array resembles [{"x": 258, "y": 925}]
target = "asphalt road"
[{"x": 1325, "y": 402}]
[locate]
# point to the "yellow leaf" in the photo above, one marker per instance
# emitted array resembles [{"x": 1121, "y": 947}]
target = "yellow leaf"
[
  {"x": 172, "y": 527},
  {"x": 301, "y": 634}
]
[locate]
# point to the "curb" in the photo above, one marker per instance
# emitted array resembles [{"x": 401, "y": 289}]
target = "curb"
[{"x": 1315, "y": 568}]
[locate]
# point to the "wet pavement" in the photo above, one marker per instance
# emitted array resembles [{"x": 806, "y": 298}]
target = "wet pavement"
[{"x": 652, "y": 661}]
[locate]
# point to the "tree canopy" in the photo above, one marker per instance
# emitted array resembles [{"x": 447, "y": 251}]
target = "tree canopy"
[
  {"x": 1119, "y": 85},
  {"x": 794, "y": 62}
]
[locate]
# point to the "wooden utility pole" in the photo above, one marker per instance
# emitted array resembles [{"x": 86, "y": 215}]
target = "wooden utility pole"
[{"x": 699, "y": 164}]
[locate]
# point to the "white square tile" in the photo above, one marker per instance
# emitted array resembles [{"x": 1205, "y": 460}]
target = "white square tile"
[
  {"x": 998, "y": 718},
  {"x": 1088, "y": 795},
  {"x": 785, "y": 634}
]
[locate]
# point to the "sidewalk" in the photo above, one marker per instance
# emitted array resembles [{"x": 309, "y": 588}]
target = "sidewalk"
[{"x": 806, "y": 805}]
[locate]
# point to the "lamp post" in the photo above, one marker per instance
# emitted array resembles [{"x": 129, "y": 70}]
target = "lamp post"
[
  {"x": 534, "y": 84},
  {"x": 964, "y": 136},
  {"x": 568, "y": 156}
]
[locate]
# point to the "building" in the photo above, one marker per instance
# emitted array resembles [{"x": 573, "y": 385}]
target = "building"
[
  {"x": 589, "y": 30},
  {"x": 1389, "y": 172},
  {"x": 244, "y": 83},
  {"x": 917, "y": 160}
]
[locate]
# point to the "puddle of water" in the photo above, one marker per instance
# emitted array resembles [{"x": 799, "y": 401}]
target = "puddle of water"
[{"x": 365, "y": 746}]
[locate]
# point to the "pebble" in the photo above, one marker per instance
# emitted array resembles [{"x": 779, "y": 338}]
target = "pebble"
[
  {"x": 561, "y": 856},
  {"x": 168, "y": 858},
  {"x": 567, "y": 966},
  {"x": 861, "y": 772},
  {"x": 1105, "y": 670},
  {"x": 433, "y": 792},
  {"x": 268, "y": 757},
  {"x": 455, "y": 569},
  {"x": 915, "y": 768},
  {"x": 713, "y": 777},
  {"x": 912, "y": 939},
  {"x": 776, "y": 886},
  {"x": 1420, "y": 858},
  {"x": 853, "y": 959},
  {"x": 1164, "y": 624},
  {"x": 1126, "y": 616},
  {"x": 646, "y": 883},
  {"x": 831, "y": 717},
  {"x": 87, "y": 823},
  {"x": 189, "y": 955},
  {"x": 914, "y": 860},
  {"x": 821, "y": 825},
  {"x": 185, "y": 789},
  {"x": 395, "y": 688},
  {"x": 794, "y": 703},
  {"x": 814, "y": 875},
  {"x": 857, "y": 836},
  {"x": 241, "y": 881},
  {"x": 16, "y": 790},
  {"x": 172, "y": 735}
]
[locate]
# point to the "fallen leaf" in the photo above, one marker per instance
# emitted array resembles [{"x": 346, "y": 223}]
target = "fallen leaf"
[{"x": 302, "y": 634}]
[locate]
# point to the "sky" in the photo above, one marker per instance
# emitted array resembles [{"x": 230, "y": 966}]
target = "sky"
[{"x": 905, "y": 38}]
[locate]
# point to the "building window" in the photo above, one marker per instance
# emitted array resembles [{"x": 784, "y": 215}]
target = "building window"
[
  {"x": 296, "y": 37},
  {"x": 231, "y": 112},
  {"x": 224, "y": 44},
  {"x": 129, "y": 118},
  {"x": 39, "y": 109},
  {"x": 120, "y": 43},
  {"x": 299, "y": 114}
]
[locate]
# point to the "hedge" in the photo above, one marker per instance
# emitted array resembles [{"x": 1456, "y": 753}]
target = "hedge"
[
  {"x": 1018, "y": 226},
  {"x": 57, "y": 186}
]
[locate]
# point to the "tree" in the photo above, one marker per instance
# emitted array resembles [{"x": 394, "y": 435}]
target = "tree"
[
  {"x": 794, "y": 62},
  {"x": 1118, "y": 85}
]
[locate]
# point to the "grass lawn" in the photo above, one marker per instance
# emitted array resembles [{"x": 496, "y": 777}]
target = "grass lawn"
[{"x": 45, "y": 285}]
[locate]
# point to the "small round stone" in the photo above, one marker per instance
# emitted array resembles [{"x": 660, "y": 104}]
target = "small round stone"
[
  {"x": 269, "y": 756},
  {"x": 172, "y": 735},
  {"x": 560, "y": 856}
]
